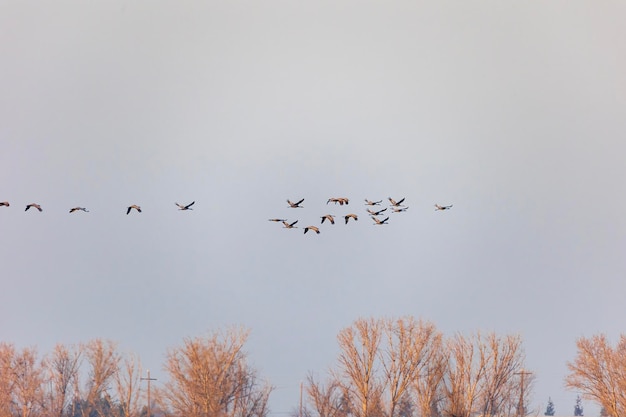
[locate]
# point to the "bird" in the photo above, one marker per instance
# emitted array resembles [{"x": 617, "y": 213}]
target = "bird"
[
  {"x": 438, "y": 207},
  {"x": 72, "y": 210},
  {"x": 399, "y": 209},
  {"x": 350, "y": 216},
  {"x": 315, "y": 229},
  {"x": 328, "y": 217},
  {"x": 340, "y": 200},
  {"x": 134, "y": 206},
  {"x": 187, "y": 207},
  {"x": 295, "y": 205},
  {"x": 37, "y": 206},
  {"x": 376, "y": 213},
  {"x": 395, "y": 203},
  {"x": 277, "y": 220},
  {"x": 4, "y": 203},
  {"x": 290, "y": 225},
  {"x": 379, "y": 222},
  {"x": 372, "y": 203}
]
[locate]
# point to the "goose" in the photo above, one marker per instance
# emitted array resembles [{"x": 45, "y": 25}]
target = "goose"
[
  {"x": 290, "y": 225},
  {"x": 438, "y": 207},
  {"x": 379, "y": 222},
  {"x": 328, "y": 217},
  {"x": 187, "y": 207},
  {"x": 37, "y": 206},
  {"x": 72, "y": 210},
  {"x": 277, "y": 220},
  {"x": 315, "y": 229},
  {"x": 395, "y": 203},
  {"x": 340, "y": 200},
  {"x": 399, "y": 209},
  {"x": 376, "y": 213},
  {"x": 372, "y": 203},
  {"x": 295, "y": 205},
  {"x": 350, "y": 216},
  {"x": 4, "y": 203},
  {"x": 134, "y": 206}
]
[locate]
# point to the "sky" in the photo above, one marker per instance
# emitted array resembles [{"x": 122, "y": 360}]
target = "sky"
[{"x": 514, "y": 112}]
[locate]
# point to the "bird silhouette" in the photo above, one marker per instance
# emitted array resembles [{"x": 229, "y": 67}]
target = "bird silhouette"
[
  {"x": 376, "y": 213},
  {"x": 340, "y": 200},
  {"x": 350, "y": 216},
  {"x": 328, "y": 217},
  {"x": 372, "y": 203},
  {"x": 438, "y": 207},
  {"x": 72, "y": 210},
  {"x": 315, "y": 229},
  {"x": 37, "y": 206},
  {"x": 277, "y": 220},
  {"x": 4, "y": 203},
  {"x": 134, "y": 206},
  {"x": 295, "y": 205},
  {"x": 187, "y": 207},
  {"x": 378, "y": 221},
  {"x": 287, "y": 225},
  {"x": 395, "y": 203},
  {"x": 399, "y": 209}
]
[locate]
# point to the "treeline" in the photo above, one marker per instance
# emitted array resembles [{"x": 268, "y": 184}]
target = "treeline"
[{"x": 399, "y": 367}]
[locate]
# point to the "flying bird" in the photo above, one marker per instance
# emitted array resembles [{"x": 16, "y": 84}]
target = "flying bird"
[
  {"x": 295, "y": 205},
  {"x": 134, "y": 206},
  {"x": 315, "y": 229},
  {"x": 277, "y": 220},
  {"x": 328, "y": 217},
  {"x": 372, "y": 203},
  {"x": 4, "y": 203},
  {"x": 37, "y": 206},
  {"x": 379, "y": 222},
  {"x": 72, "y": 210},
  {"x": 290, "y": 225},
  {"x": 187, "y": 207},
  {"x": 340, "y": 200},
  {"x": 350, "y": 216},
  {"x": 399, "y": 209},
  {"x": 395, "y": 203},
  {"x": 376, "y": 213},
  {"x": 438, "y": 207}
]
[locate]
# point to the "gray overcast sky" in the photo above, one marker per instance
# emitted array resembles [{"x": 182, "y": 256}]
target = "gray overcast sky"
[{"x": 512, "y": 111}]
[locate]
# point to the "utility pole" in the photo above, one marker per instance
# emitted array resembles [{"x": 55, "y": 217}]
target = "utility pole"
[
  {"x": 148, "y": 379},
  {"x": 520, "y": 407}
]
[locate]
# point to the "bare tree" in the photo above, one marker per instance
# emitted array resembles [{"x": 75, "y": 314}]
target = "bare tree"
[
  {"x": 599, "y": 373},
  {"x": 465, "y": 370},
  {"x": 482, "y": 375},
  {"x": 28, "y": 378},
  {"x": 504, "y": 359},
  {"x": 357, "y": 374},
  {"x": 429, "y": 383},
  {"x": 62, "y": 368},
  {"x": 210, "y": 377},
  {"x": 103, "y": 361},
  {"x": 327, "y": 399},
  {"x": 381, "y": 363},
  {"x": 404, "y": 357},
  {"x": 7, "y": 353},
  {"x": 127, "y": 382}
]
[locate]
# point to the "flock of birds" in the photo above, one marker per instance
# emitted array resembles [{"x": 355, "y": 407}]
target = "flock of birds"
[
  {"x": 375, "y": 212},
  {"x": 75, "y": 209}
]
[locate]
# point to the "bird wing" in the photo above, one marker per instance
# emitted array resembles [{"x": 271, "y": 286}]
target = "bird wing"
[{"x": 190, "y": 204}]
